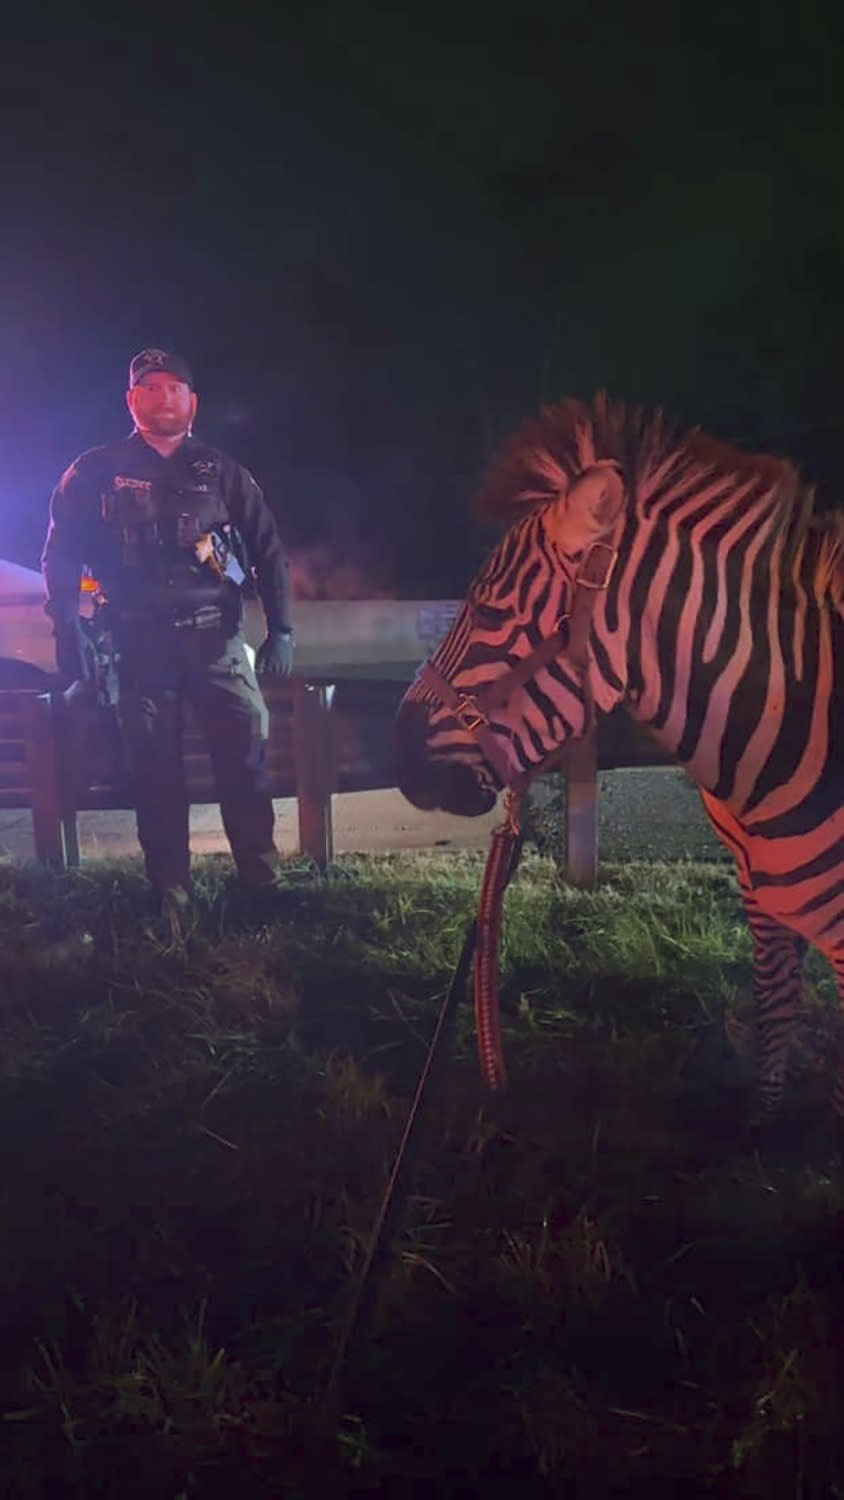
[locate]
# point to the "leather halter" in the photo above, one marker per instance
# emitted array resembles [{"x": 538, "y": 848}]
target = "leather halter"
[{"x": 474, "y": 711}]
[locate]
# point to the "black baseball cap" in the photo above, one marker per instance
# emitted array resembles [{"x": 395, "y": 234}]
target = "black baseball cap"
[{"x": 151, "y": 361}]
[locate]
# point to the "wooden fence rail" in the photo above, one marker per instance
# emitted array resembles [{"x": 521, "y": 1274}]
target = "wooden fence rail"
[{"x": 325, "y": 737}]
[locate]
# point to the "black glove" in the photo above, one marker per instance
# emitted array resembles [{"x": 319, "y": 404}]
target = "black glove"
[
  {"x": 75, "y": 653},
  {"x": 275, "y": 655}
]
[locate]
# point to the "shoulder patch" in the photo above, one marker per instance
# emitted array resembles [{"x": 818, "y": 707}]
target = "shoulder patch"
[{"x": 90, "y": 465}]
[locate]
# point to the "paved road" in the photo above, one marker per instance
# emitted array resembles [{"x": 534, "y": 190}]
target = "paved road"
[{"x": 643, "y": 814}]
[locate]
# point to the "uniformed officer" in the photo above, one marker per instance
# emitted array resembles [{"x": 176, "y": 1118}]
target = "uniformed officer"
[{"x": 171, "y": 529}]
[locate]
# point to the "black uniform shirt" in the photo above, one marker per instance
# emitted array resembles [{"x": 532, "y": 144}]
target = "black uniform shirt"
[{"x": 126, "y": 513}]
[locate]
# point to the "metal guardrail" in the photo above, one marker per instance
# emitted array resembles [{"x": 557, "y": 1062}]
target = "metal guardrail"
[
  {"x": 326, "y": 736},
  {"x": 59, "y": 758}
]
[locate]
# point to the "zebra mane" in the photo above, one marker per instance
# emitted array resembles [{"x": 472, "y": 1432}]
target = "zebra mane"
[{"x": 550, "y": 450}]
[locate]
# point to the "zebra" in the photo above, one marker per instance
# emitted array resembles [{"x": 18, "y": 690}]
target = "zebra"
[{"x": 690, "y": 580}]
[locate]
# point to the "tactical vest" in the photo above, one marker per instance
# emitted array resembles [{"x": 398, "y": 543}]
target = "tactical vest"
[{"x": 169, "y": 545}]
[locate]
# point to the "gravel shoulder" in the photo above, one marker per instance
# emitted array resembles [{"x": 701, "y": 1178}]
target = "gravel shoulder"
[{"x": 653, "y": 814}]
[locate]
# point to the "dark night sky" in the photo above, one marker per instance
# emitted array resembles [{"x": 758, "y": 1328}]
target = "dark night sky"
[{"x": 382, "y": 239}]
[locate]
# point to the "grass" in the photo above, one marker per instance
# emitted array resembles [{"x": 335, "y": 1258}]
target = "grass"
[{"x": 604, "y": 1282}]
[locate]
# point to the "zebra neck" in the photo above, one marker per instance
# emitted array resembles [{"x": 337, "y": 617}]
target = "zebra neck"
[{"x": 725, "y": 653}]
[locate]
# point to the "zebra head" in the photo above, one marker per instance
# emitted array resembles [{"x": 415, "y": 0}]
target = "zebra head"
[{"x": 512, "y": 680}]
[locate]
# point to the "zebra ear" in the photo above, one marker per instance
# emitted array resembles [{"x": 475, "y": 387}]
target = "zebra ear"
[{"x": 588, "y": 508}]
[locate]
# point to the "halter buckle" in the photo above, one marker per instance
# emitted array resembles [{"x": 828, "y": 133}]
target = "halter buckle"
[
  {"x": 601, "y": 583},
  {"x": 469, "y": 713}
]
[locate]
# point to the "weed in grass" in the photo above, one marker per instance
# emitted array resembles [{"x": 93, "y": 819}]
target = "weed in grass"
[
  {"x": 143, "y": 1379},
  {"x": 354, "y": 1237},
  {"x": 355, "y": 1444},
  {"x": 556, "y": 1419},
  {"x": 421, "y": 1246},
  {"x": 795, "y": 1392},
  {"x": 50, "y": 1380},
  {"x": 576, "y": 1264},
  {"x": 350, "y": 1095}
]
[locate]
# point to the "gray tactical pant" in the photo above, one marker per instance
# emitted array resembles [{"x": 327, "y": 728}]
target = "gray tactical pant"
[{"x": 161, "y": 668}]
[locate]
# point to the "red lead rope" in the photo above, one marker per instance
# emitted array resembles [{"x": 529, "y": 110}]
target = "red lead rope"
[{"x": 502, "y": 859}]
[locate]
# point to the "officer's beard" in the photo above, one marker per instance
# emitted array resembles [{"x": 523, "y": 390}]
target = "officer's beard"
[{"x": 164, "y": 427}]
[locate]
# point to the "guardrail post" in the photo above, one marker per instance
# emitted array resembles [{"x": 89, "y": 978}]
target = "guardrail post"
[
  {"x": 74, "y": 722},
  {"x": 313, "y": 750},
  {"x": 42, "y": 758},
  {"x": 582, "y": 810}
]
